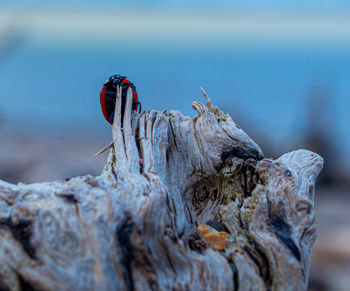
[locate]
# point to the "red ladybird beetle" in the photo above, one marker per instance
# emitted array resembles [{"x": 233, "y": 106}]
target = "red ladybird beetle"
[{"x": 108, "y": 96}]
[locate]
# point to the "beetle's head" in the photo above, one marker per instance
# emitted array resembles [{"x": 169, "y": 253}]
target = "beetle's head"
[{"x": 113, "y": 81}]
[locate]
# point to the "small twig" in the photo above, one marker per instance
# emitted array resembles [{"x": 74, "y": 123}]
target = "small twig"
[
  {"x": 208, "y": 103},
  {"x": 104, "y": 149}
]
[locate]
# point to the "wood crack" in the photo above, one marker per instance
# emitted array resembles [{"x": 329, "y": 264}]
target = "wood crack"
[
  {"x": 22, "y": 232},
  {"x": 123, "y": 234}
]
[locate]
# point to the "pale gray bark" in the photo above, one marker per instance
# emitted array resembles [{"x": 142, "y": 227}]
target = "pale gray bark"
[{"x": 182, "y": 204}]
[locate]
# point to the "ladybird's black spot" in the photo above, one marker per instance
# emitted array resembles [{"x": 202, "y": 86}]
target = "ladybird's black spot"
[
  {"x": 282, "y": 229},
  {"x": 123, "y": 234},
  {"x": 219, "y": 226},
  {"x": 22, "y": 231},
  {"x": 238, "y": 152}
]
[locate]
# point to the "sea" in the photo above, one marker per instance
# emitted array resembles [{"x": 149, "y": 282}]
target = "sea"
[{"x": 277, "y": 92}]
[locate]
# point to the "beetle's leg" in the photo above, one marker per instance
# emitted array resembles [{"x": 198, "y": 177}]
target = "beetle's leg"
[
  {"x": 111, "y": 117},
  {"x": 134, "y": 104},
  {"x": 140, "y": 107}
]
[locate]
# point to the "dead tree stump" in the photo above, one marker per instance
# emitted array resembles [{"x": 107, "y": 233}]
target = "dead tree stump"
[{"x": 182, "y": 204}]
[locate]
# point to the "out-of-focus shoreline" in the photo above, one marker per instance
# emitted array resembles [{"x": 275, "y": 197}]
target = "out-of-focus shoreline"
[
  {"x": 229, "y": 27},
  {"x": 33, "y": 157},
  {"x": 330, "y": 257}
]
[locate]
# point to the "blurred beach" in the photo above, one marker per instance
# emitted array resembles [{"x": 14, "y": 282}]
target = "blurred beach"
[{"x": 283, "y": 74}]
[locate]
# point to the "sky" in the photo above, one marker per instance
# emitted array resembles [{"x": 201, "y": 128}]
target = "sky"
[
  {"x": 269, "y": 4},
  {"x": 176, "y": 27}
]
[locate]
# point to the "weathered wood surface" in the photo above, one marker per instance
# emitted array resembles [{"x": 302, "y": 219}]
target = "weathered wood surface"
[{"x": 182, "y": 204}]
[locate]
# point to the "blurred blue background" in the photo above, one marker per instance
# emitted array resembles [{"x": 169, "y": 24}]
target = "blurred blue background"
[{"x": 280, "y": 69}]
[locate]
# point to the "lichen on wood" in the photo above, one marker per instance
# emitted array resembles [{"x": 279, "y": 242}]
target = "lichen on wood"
[{"x": 182, "y": 204}]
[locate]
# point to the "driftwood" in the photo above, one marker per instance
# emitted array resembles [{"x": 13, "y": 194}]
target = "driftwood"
[{"x": 182, "y": 204}]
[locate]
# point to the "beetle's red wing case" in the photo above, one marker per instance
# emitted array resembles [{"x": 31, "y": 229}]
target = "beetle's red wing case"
[{"x": 103, "y": 104}]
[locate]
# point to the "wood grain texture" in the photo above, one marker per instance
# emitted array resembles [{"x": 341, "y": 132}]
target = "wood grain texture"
[{"x": 135, "y": 227}]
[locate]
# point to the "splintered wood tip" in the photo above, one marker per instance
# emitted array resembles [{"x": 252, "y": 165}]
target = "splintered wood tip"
[{"x": 205, "y": 94}]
